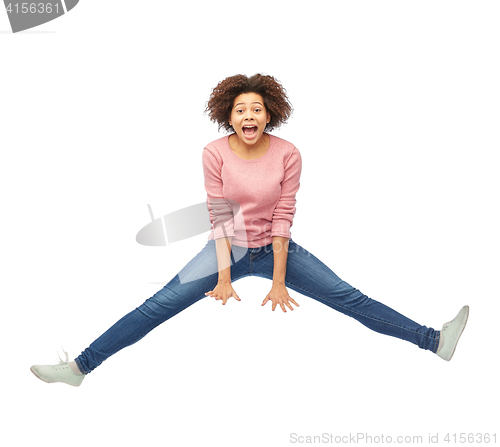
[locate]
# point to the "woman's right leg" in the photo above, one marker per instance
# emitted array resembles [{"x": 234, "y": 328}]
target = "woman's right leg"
[{"x": 189, "y": 286}]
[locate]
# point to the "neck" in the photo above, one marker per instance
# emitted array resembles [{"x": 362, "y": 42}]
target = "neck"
[{"x": 238, "y": 144}]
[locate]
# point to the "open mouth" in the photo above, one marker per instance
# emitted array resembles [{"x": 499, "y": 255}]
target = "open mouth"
[{"x": 249, "y": 130}]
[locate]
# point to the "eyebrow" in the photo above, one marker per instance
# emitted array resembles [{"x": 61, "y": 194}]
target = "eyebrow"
[{"x": 255, "y": 102}]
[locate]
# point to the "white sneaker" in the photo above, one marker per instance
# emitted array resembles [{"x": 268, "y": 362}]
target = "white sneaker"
[
  {"x": 58, "y": 373},
  {"x": 451, "y": 333}
]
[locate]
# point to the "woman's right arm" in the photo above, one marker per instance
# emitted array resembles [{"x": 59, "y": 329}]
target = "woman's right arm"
[
  {"x": 223, "y": 290},
  {"x": 221, "y": 217},
  {"x": 223, "y": 248}
]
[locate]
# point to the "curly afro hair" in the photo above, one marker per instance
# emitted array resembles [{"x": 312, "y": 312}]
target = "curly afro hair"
[{"x": 276, "y": 102}]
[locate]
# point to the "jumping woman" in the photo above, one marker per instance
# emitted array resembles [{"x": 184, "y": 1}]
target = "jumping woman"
[{"x": 251, "y": 180}]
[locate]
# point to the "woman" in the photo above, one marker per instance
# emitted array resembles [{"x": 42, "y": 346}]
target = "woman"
[{"x": 251, "y": 179}]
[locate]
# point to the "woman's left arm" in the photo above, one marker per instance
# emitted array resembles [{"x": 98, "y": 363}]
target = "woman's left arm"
[{"x": 279, "y": 293}]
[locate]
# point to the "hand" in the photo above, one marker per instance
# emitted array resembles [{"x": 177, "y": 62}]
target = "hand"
[
  {"x": 279, "y": 295},
  {"x": 223, "y": 291}
]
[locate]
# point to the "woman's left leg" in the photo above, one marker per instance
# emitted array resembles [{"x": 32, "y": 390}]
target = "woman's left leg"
[{"x": 309, "y": 276}]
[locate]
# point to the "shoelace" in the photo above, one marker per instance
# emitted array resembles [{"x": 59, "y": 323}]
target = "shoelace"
[{"x": 61, "y": 362}]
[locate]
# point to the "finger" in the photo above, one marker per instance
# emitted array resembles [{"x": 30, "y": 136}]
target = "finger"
[
  {"x": 282, "y": 307},
  {"x": 293, "y": 301},
  {"x": 265, "y": 301},
  {"x": 236, "y": 297},
  {"x": 289, "y": 306}
]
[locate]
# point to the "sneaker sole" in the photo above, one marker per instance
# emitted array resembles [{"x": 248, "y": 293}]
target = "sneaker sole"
[
  {"x": 460, "y": 334},
  {"x": 46, "y": 381},
  {"x": 36, "y": 375}
]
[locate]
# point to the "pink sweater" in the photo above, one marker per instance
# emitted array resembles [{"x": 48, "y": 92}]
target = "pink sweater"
[{"x": 251, "y": 200}]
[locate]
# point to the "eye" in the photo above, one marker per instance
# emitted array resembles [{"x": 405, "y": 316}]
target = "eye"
[{"x": 257, "y": 109}]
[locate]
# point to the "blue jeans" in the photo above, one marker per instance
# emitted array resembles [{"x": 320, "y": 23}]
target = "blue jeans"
[{"x": 305, "y": 274}]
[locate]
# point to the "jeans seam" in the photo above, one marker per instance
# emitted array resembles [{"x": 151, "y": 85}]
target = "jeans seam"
[
  {"x": 239, "y": 277},
  {"x": 80, "y": 367},
  {"x": 436, "y": 343}
]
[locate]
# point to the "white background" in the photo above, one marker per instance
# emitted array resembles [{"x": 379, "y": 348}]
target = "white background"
[{"x": 396, "y": 116}]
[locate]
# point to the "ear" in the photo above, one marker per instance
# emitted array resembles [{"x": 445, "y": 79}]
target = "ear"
[{"x": 268, "y": 117}]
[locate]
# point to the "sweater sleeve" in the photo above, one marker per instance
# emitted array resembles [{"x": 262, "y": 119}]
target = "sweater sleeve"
[
  {"x": 220, "y": 210},
  {"x": 285, "y": 208}
]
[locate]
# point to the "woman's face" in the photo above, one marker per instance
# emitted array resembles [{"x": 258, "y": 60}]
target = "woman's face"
[{"x": 249, "y": 118}]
